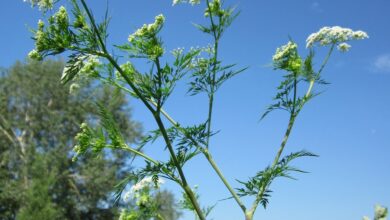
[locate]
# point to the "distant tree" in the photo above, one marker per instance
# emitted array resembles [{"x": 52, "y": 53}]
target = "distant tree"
[
  {"x": 165, "y": 199},
  {"x": 38, "y": 121}
]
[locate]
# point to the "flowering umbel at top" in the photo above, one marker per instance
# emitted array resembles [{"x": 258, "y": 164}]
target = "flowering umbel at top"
[
  {"x": 286, "y": 57},
  {"x": 335, "y": 35},
  {"x": 42, "y": 4},
  {"x": 145, "y": 41},
  {"x": 148, "y": 30}
]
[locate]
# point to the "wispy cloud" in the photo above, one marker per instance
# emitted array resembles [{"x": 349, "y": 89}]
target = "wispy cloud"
[
  {"x": 382, "y": 63},
  {"x": 316, "y": 7}
]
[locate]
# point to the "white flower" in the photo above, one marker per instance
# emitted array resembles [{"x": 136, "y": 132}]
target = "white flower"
[
  {"x": 334, "y": 35},
  {"x": 380, "y": 212},
  {"x": 358, "y": 35},
  {"x": 343, "y": 47},
  {"x": 178, "y": 51},
  {"x": 148, "y": 29},
  {"x": 135, "y": 190},
  {"x": 284, "y": 51},
  {"x": 175, "y": 2},
  {"x": 192, "y": 2},
  {"x": 90, "y": 65},
  {"x": 34, "y": 54},
  {"x": 42, "y": 4}
]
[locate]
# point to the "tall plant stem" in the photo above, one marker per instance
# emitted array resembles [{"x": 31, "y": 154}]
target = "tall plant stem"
[
  {"x": 184, "y": 183},
  {"x": 214, "y": 72},
  {"x": 294, "y": 113},
  {"x": 205, "y": 151},
  {"x": 211, "y": 96},
  {"x": 209, "y": 158},
  {"x": 112, "y": 60}
]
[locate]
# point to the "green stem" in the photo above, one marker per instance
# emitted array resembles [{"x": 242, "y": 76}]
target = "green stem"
[
  {"x": 162, "y": 128},
  {"x": 285, "y": 139},
  {"x": 215, "y": 60},
  {"x": 159, "y": 76},
  {"x": 111, "y": 60},
  {"x": 211, "y": 97},
  {"x": 208, "y": 156},
  {"x": 312, "y": 81},
  {"x": 212, "y": 21},
  {"x": 260, "y": 195},
  {"x": 209, "y": 117},
  {"x": 184, "y": 184},
  {"x": 293, "y": 116},
  {"x": 134, "y": 151},
  {"x": 326, "y": 58}
]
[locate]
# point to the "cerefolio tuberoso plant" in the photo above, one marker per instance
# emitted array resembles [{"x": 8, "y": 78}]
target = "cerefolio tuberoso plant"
[{"x": 86, "y": 41}]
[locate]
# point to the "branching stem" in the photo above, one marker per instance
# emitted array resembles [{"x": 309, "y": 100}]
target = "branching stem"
[
  {"x": 184, "y": 183},
  {"x": 293, "y": 114},
  {"x": 208, "y": 156}
]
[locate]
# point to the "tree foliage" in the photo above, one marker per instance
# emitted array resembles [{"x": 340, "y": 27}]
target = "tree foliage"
[{"x": 38, "y": 120}]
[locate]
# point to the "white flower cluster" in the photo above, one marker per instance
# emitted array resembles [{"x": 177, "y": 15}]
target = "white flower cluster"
[
  {"x": 343, "y": 47},
  {"x": 284, "y": 51},
  {"x": 178, "y": 51},
  {"x": 192, "y": 2},
  {"x": 90, "y": 64},
  {"x": 148, "y": 29},
  {"x": 145, "y": 183},
  {"x": 42, "y": 4},
  {"x": 34, "y": 54},
  {"x": 335, "y": 35}
]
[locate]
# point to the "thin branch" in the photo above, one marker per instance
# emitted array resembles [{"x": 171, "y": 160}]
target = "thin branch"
[
  {"x": 139, "y": 153},
  {"x": 185, "y": 186},
  {"x": 112, "y": 61},
  {"x": 215, "y": 60},
  {"x": 208, "y": 156},
  {"x": 293, "y": 116}
]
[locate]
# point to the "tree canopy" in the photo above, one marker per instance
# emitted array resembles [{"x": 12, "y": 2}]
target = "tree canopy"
[{"x": 39, "y": 118}]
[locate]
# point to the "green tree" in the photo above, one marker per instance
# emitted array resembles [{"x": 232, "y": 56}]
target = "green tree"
[
  {"x": 38, "y": 120},
  {"x": 165, "y": 199}
]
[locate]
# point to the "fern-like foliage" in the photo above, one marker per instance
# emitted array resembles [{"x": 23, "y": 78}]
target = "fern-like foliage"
[
  {"x": 261, "y": 182},
  {"x": 288, "y": 97}
]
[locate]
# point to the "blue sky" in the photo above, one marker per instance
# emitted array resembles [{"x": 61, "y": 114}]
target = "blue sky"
[{"x": 348, "y": 125}]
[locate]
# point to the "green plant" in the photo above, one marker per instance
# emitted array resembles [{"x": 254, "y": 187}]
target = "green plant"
[{"x": 86, "y": 40}]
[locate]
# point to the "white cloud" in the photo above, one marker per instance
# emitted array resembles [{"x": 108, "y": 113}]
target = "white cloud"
[{"x": 382, "y": 63}]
